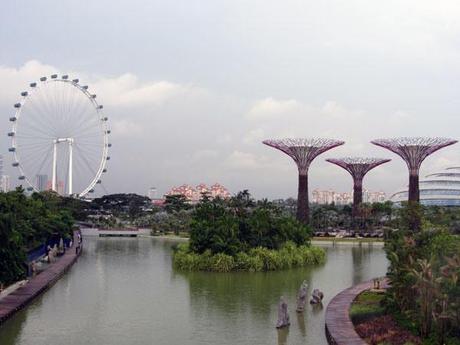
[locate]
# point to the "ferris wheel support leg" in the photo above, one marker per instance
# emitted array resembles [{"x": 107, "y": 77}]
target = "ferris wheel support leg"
[
  {"x": 53, "y": 180},
  {"x": 70, "y": 165}
]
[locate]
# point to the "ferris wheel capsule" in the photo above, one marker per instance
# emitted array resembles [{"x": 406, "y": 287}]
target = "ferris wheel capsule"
[
  {"x": 12, "y": 149},
  {"x": 11, "y": 134},
  {"x": 65, "y": 77},
  {"x": 13, "y": 118},
  {"x": 15, "y": 164},
  {"x": 54, "y": 76},
  {"x": 22, "y": 177},
  {"x": 24, "y": 93},
  {"x": 85, "y": 87},
  {"x": 43, "y": 79},
  {"x": 75, "y": 81},
  {"x": 17, "y": 105},
  {"x": 33, "y": 84}
]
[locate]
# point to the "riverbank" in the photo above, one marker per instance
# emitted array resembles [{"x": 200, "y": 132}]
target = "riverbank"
[{"x": 25, "y": 294}]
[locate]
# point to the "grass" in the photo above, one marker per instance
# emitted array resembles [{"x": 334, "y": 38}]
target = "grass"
[{"x": 367, "y": 305}]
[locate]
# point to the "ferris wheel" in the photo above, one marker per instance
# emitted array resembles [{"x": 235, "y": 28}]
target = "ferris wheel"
[{"x": 60, "y": 137}]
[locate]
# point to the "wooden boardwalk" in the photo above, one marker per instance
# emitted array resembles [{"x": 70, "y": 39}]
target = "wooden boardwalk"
[
  {"x": 21, "y": 297},
  {"x": 339, "y": 328}
]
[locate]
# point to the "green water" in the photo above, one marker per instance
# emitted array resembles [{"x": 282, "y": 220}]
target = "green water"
[{"x": 124, "y": 291}]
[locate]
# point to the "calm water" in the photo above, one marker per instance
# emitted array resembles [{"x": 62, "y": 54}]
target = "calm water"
[{"x": 124, "y": 291}]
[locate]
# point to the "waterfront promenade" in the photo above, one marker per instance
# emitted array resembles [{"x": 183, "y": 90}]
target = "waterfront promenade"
[{"x": 24, "y": 295}]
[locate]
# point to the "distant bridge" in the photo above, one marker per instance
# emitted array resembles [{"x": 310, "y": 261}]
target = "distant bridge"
[{"x": 122, "y": 232}]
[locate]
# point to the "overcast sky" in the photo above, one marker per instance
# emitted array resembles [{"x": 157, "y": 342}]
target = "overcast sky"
[{"x": 191, "y": 88}]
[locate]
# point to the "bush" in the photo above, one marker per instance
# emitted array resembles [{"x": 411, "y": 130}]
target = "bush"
[{"x": 257, "y": 259}]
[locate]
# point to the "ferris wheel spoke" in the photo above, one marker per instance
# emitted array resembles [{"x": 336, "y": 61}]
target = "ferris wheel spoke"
[
  {"x": 41, "y": 116},
  {"x": 88, "y": 121},
  {"x": 86, "y": 128},
  {"x": 28, "y": 157}
]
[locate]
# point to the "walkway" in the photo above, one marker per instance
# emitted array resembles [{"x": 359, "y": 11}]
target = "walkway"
[
  {"x": 339, "y": 328},
  {"x": 24, "y": 295}
]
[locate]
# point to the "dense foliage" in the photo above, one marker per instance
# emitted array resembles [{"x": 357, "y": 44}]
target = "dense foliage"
[
  {"x": 424, "y": 272},
  {"x": 240, "y": 223},
  {"x": 26, "y": 222},
  {"x": 124, "y": 206},
  {"x": 243, "y": 234}
]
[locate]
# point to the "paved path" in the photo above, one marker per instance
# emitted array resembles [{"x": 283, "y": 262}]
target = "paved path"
[
  {"x": 24, "y": 295},
  {"x": 339, "y": 328}
]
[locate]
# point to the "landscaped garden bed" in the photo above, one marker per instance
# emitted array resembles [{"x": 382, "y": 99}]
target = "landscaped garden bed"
[{"x": 374, "y": 325}]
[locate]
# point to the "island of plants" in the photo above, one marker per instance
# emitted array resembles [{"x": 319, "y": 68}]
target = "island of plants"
[{"x": 240, "y": 234}]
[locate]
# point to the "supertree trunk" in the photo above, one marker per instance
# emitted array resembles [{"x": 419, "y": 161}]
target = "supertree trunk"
[
  {"x": 357, "y": 198},
  {"x": 414, "y": 191},
  {"x": 302, "y": 199}
]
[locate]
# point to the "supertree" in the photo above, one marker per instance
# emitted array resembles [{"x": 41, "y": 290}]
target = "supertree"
[
  {"x": 303, "y": 151},
  {"x": 358, "y": 167},
  {"x": 413, "y": 151}
]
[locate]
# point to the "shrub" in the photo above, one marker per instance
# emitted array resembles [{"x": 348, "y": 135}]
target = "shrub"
[{"x": 257, "y": 259}]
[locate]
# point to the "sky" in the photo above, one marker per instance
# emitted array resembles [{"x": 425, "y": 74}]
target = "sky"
[{"x": 191, "y": 88}]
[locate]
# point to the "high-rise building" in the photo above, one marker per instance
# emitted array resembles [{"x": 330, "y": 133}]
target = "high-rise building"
[
  {"x": 4, "y": 183},
  {"x": 152, "y": 193},
  {"x": 4, "y": 179},
  {"x": 42, "y": 181}
]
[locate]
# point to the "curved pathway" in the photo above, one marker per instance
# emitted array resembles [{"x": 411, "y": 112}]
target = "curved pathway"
[
  {"x": 21, "y": 297},
  {"x": 339, "y": 328}
]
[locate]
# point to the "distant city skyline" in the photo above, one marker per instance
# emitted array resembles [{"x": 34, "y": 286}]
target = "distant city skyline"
[
  {"x": 324, "y": 197},
  {"x": 181, "y": 111}
]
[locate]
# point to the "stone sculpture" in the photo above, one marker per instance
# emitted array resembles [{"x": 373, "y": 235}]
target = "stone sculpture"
[
  {"x": 302, "y": 297},
  {"x": 283, "y": 316},
  {"x": 316, "y": 297}
]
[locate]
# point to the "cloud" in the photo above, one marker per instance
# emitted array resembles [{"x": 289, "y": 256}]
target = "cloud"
[
  {"x": 270, "y": 108},
  {"x": 244, "y": 161},
  {"x": 128, "y": 91},
  {"x": 126, "y": 128}
]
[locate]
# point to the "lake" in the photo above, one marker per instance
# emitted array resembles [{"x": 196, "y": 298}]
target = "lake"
[{"x": 125, "y": 291}]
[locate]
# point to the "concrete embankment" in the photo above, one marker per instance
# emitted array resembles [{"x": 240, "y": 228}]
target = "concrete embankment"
[{"x": 24, "y": 295}]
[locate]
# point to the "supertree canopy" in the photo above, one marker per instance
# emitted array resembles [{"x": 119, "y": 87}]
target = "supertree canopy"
[
  {"x": 358, "y": 167},
  {"x": 303, "y": 151},
  {"x": 413, "y": 151}
]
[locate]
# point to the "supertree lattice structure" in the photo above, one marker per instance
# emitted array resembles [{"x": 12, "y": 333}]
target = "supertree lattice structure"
[
  {"x": 303, "y": 151},
  {"x": 413, "y": 151},
  {"x": 358, "y": 167}
]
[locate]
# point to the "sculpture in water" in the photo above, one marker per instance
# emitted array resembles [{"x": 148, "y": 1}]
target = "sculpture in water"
[
  {"x": 283, "y": 315},
  {"x": 302, "y": 297},
  {"x": 316, "y": 297}
]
